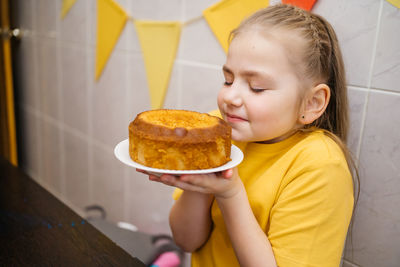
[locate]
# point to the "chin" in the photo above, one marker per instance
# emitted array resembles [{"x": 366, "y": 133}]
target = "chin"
[{"x": 239, "y": 138}]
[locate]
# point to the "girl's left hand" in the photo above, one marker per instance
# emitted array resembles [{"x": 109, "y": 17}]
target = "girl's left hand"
[{"x": 221, "y": 184}]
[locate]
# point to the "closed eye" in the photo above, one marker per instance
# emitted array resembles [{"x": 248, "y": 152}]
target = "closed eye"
[
  {"x": 227, "y": 83},
  {"x": 257, "y": 90}
]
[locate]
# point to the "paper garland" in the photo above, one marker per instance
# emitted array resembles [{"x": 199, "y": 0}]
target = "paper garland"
[
  {"x": 111, "y": 19},
  {"x": 66, "y": 6},
  {"x": 226, "y": 15},
  {"x": 396, "y": 3},
  {"x": 159, "y": 42}
]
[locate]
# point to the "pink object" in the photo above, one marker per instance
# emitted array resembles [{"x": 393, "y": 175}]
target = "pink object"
[{"x": 167, "y": 259}]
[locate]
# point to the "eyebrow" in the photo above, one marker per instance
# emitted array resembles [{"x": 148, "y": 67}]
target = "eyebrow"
[{"x": 250, "y": 73}]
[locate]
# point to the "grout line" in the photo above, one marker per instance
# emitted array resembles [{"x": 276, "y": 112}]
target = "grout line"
[
  {"x": 127, "y": 185},
  {"x": 375, "y": 90},
  {"x": 198, "y": 64},
  {"x": 60, "y": 108},
  {"x": 89, "y": 91},
  {"x": 179, "y": 100},
  {"x": 351, "y": 263},
  {"x": 35, "y": 55},
  {"x": 106, "y": 148},
  {"x": 371, "y": 69}
]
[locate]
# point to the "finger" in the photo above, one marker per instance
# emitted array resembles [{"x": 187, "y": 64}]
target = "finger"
[
  {"x": 168, "y": 179},
  {"x": 199, "y": 180},
  {"x": 142, "y": 171},
  {"x": 154, "y": 178},
  {"x": 190, "y": 187},
  {"x": 227, "y": 174}
]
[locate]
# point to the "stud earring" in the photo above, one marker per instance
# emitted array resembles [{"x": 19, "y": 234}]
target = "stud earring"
[{"x": 302, "y": 117}]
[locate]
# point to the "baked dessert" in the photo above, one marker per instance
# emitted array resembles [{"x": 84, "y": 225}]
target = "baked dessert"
[{"x": 179, "y": 140}]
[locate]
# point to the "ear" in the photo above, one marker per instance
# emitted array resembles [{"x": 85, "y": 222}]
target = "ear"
[{"x": 315, "y": 103}]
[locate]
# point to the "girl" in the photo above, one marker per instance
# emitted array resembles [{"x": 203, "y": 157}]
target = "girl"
[{"x": 289, "y": 203}]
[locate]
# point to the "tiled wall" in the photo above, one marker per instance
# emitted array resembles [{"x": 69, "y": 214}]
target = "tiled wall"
[{"x": 70, "y": 123}]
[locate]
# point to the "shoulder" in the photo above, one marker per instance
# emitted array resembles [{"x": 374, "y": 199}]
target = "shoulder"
[
  {"x": 319, "y": 160},
  {"x": 316, "y": 146}
]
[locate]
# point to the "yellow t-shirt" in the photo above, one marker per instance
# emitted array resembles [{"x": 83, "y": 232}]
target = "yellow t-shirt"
[{"x": 301, "y": 193}]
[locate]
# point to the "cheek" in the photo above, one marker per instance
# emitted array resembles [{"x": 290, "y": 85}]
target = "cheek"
[{"x": 220, "y": 98}]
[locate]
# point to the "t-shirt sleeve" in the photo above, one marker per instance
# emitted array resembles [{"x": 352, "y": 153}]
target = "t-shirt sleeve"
[
  {"x": 215, "y": 113},
  {"x": 177, "y": 193},
  {"x": 309, "y": 220}
]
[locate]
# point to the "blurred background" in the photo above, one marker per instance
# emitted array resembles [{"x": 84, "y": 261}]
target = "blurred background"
[{"x": 68, "y": 124}]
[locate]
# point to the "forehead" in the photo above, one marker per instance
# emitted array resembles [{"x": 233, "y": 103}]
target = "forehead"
[{"x": 253, "y": 49}]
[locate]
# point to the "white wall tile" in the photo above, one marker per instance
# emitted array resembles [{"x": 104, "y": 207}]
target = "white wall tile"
[
  {"x": 355, "y": 23},
  {"x": 25, "y": 80},
  {"x": 386, "y": 72},
  {"x": 76, "y": 169},
  {"x": 48, "y": 78},
  {"x": 51, "y": 157},
  {"x": 46, "y": 15},
  {"x": 200, "y": 87},
  {"x": 29, "y": 149},
  {"x": 144, "y": 9},
  {"x": 73, "y": 85},
  {"x": 109, "y": 110},
  {"x": 149, "y": 202},
  {"x": 169, "y": 10},
  {"x": 73, "y": 28},
  {"x": 173, "y": 94},
  {"x": 199, "y": 44},
  {"x": 376, "y": 230},
  {"x": 194, "y": 8},
  {"x": 108, "y": 183},
  {"x": 357, "y": 98},
  {"x": 138, "y": 97}
]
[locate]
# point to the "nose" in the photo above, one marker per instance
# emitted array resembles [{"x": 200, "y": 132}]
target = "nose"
[{"x": 232, "y": 95}]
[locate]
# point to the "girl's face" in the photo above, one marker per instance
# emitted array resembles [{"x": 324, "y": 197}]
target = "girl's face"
[{"x": 261, "y": 97}]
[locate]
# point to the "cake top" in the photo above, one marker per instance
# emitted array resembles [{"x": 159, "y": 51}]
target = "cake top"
[
  {"x": 179, "y": 118},
  {"x": 179, "y": 126}
]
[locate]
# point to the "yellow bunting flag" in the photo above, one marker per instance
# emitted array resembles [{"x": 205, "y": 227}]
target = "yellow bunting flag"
[
  {"x": 111, "y": 19},
  {"x": 226, "y": 15},
  {"x": 396, "y": 3},
  {"x": 159, "y": 42},
  {"x": 66, "y": 6}
]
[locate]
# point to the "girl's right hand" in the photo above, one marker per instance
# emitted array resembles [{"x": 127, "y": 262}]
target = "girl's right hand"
[{"x": 223, "y": 184}]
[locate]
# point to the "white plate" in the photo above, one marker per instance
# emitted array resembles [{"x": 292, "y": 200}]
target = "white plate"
[{"x": 121, "y": 151}]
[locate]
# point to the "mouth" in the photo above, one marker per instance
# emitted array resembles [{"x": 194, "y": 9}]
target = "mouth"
[{"x": 234, "y": 118}]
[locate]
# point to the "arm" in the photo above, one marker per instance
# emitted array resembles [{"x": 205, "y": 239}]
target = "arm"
[
  {"x": 190, "y": 220},
  {"x": 251, "y": 245}
]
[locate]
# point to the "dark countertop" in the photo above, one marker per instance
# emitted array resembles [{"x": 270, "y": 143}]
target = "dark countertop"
[{"x": 36, "y": 229}]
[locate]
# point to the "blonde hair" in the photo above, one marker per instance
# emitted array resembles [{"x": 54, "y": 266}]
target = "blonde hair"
[{"x": 321, "y": 60}]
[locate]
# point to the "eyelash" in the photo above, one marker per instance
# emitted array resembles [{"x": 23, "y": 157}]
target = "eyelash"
[{"x": 255, "y": 90}]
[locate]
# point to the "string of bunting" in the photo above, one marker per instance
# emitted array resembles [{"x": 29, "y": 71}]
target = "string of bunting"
[
  {"x": 396, "y": 3},
  {"x": 159, "y": 40}
]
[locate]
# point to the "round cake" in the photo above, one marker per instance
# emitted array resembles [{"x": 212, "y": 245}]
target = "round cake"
[{"x": 179, "y": 140}]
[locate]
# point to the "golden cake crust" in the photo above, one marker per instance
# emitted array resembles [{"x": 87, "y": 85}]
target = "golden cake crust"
[{"x": 179, "y": 139}]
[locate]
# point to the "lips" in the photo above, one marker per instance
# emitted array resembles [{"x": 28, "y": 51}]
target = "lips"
[{"x": 234, "y": 118}]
